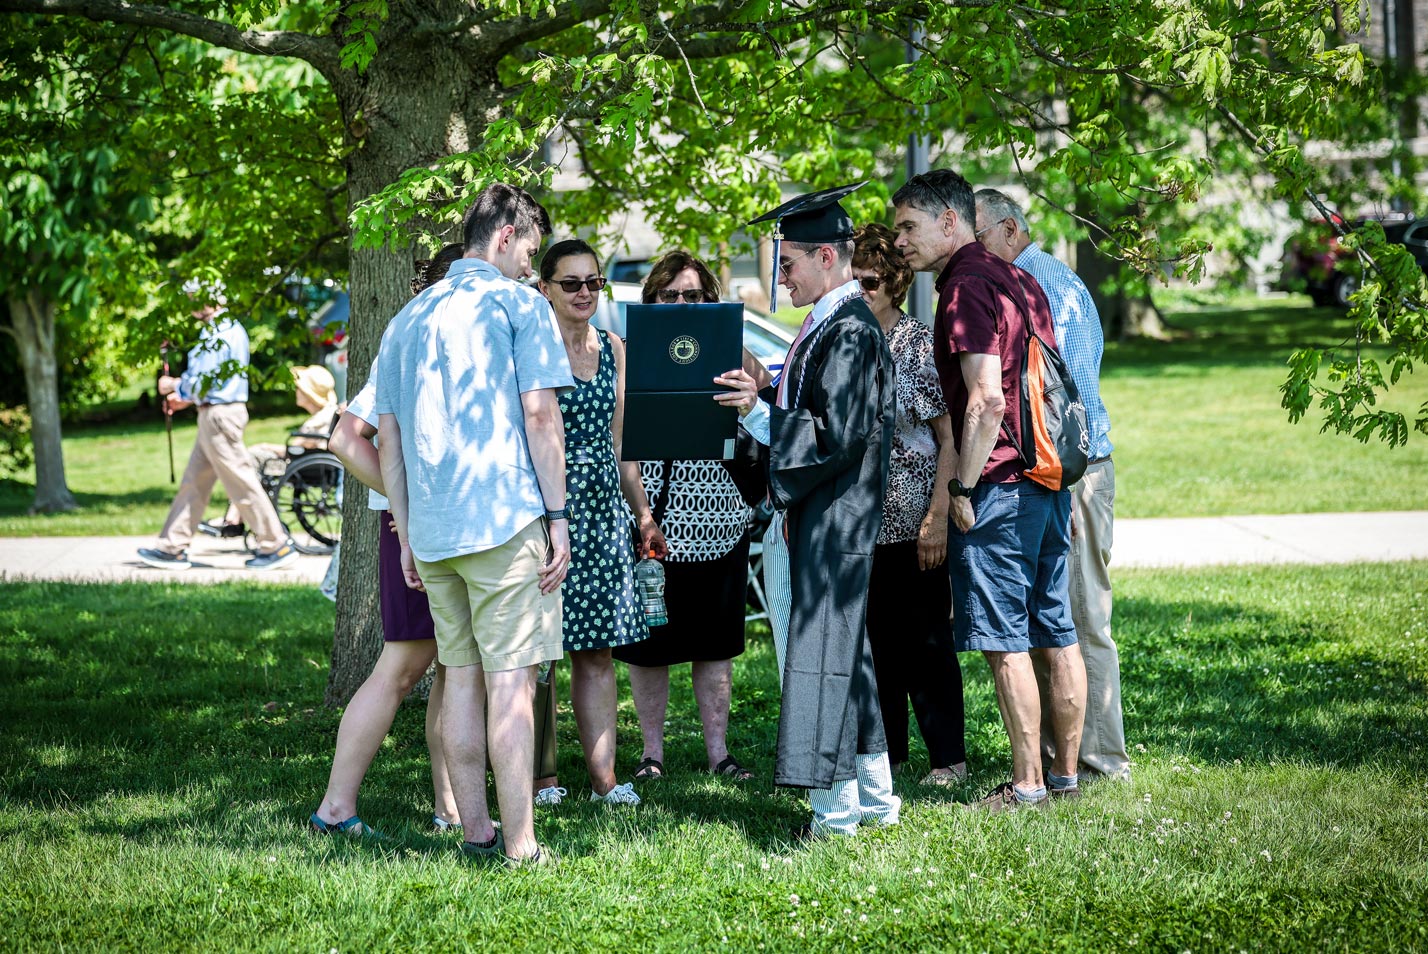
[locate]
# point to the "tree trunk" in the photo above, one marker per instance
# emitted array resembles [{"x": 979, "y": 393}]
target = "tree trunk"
[
  {"x": 1127, "y": 310},
  {"x": 33, "y": 317},
  {"x": 417, "y": 102}
]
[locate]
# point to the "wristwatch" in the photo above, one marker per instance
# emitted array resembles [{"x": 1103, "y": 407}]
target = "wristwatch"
[
  {"x": 560, "y": 514},
  {"x": 956, "y": 488}
]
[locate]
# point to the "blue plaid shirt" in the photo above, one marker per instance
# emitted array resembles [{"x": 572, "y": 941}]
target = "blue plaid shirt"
[
  {"x": 1078, "y": 335},
  {"x": 219, "y": 341}
]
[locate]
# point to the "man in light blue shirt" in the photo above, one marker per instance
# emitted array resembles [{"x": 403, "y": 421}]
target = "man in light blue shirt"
[
  {"x": 473, "y": 459},
  {"x": 1002, "y": 228},
  {"x": 216, "y": 380}
]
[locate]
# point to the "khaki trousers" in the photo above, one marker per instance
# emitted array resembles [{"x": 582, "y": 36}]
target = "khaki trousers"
[
  {"x": 219, "y": 454},
  {"x": 1103, "y": 741}
]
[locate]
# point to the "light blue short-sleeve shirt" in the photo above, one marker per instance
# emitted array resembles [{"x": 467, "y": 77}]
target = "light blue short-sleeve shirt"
[{"x": 452, "y": 367}]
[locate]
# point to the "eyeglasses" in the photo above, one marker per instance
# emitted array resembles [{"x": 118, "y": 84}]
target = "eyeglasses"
[
  {"x": 693, "y": 296},
  {"x": 980, "y": 232},
  {"x": 572, "y": 285},
  {"x": 784, "y": 266},
  {"x": 870, "y": 282}
]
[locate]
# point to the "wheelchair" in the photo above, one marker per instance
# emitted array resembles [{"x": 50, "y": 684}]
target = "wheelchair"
[{"x": 305, "y": 486}]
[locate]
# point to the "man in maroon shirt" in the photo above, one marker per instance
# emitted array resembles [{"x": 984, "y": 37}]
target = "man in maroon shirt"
[{"x": 1009, "y": 537}]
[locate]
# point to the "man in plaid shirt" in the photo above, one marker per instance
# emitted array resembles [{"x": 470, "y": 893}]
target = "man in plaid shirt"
[{"x": 1002, "y": 229}]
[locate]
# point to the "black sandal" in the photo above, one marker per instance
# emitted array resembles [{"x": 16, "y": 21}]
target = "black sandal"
[
  {"x": 649, "y": 770},
  {"x": 732, "y": 770}
]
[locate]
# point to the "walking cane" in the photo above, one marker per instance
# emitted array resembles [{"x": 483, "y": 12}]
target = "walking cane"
[{"x": 168, "y": 413}]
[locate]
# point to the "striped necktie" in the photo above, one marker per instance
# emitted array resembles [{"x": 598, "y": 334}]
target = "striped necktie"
[{"x": 788, "y": 361}]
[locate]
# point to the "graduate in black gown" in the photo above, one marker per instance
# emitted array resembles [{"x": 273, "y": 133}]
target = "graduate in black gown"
[{"x": 829, "y": 432}]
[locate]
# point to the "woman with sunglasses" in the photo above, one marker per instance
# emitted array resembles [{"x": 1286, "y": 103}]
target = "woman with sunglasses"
[
  {"x": 909, "y": 594},
  {"x": 706, "y": 574},
  {"x": 599, "y": 607}
]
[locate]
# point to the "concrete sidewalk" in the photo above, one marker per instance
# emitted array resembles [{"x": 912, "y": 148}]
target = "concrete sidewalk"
[
  {"x": 1181, "y": 541},
  {"x": 115, "y": 560},
  {"x": 1280, "y": 538}
]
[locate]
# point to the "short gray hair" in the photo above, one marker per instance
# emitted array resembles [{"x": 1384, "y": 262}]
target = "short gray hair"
[{"x": 1000, "y": 206}]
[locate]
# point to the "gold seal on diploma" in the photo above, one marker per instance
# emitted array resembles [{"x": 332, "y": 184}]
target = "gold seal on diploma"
[{"x": 683, "y": 349}]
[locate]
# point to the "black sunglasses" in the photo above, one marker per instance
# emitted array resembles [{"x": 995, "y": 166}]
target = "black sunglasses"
[
  {"x": 870, "y": 282},
  {"x": 694, "y": 296},
  {"x": 572, "y": 285}
]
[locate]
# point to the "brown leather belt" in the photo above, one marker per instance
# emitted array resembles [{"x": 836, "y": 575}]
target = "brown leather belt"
[{"x": 1098, "y": 460}]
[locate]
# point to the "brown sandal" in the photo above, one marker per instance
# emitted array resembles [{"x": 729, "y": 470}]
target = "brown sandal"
[{"x": 732, "y": 770}]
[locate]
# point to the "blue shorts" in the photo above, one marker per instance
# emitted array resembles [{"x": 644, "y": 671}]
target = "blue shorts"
[{"x": 1009, "y": 577}]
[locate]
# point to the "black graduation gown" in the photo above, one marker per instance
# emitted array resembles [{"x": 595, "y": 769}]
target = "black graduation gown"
[{"x": 828, "y": 468}]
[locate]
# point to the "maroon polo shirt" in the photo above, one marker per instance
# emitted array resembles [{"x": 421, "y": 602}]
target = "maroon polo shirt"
[{"x": 975, "y": 314}]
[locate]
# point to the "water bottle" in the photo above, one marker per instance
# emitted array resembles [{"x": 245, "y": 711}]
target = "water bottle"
[{"x": 649, "y": 586}]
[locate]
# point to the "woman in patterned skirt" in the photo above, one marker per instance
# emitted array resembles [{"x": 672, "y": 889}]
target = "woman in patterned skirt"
[
  {"x": 599, "y": 608},
  {"x": 706, "y": 573},
  {"x": 910, "y": 595}
]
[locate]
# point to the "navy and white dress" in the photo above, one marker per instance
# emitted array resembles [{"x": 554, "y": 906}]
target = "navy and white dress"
[{"x": 600, "y": 609}]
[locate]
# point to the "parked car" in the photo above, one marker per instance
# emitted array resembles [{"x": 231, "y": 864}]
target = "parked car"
[
  {"x": 629, "y": 269},
  {"x": 1316, "y": 262},
  {"x": 765, "y": 338}
]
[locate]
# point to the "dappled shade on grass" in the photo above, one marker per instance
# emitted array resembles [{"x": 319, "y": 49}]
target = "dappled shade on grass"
[{"x": 163, "y": 745}]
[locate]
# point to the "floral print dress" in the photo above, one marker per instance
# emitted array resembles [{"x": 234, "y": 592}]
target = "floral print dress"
[{"x": 600, "y": 609}]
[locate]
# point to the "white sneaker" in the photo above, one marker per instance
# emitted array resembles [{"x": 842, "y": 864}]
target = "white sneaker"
[
  {"x": 550, "y": 796},
  {"x": 619, "y": 795}
]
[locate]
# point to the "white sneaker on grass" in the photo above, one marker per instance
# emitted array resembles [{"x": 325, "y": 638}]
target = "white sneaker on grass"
[
  {"x": 619, "y": 795},
  {"x": 550, "y": 796}
]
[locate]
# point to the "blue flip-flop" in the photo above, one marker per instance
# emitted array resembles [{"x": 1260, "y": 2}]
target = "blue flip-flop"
[{"x": 353, "y": 827}]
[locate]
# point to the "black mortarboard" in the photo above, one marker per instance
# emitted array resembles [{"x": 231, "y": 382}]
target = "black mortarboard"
[{"x": 813, "y": 217}]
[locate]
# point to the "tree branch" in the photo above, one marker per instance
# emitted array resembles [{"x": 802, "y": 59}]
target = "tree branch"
[
  {"x": 321, "y": 52},
  {"x": 506, "y": 35}
]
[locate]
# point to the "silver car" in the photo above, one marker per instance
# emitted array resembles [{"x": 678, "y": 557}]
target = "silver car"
[{"x": 765, "y": 338}]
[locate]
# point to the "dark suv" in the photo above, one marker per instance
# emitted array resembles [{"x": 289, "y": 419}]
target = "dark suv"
[{"x": 1315, "y": 261}]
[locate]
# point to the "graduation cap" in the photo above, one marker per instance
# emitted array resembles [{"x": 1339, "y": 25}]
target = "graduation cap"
[{"x": 816, "y": 217}]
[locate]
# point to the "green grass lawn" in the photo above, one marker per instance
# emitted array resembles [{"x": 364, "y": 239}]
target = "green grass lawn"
[
  {"x": 1198, "y": 429},
  {"x": 119, "y": 472},
  {"x": 1196, "y": 424},
  {"x": 163, "y": 745}
]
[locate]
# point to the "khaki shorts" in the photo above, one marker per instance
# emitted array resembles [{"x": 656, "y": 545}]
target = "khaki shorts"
[{"x": 488, "y": 607}]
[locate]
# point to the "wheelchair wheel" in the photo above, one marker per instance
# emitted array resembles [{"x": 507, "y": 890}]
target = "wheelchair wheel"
[{"x": 306, "y": 499}]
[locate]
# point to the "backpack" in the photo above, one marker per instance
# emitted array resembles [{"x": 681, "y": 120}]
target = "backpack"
[{"x": 1051, "y": 409}]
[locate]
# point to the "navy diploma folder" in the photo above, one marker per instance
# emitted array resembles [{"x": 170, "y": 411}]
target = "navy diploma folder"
[{"x": 672, "y": 355}]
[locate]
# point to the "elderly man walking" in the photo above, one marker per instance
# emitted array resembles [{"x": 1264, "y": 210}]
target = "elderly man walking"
[
  {"x": 1002, "y": 228},
  {"x": 219, "y": 453},
  {"x": 1009, "y": 536},
  {"x": 473, "y": 457}
]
